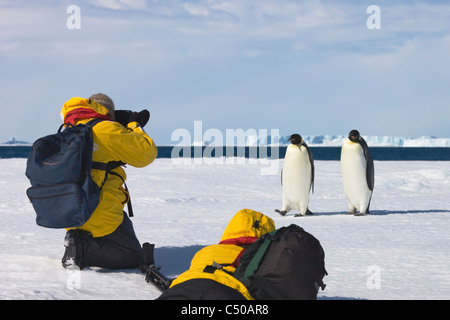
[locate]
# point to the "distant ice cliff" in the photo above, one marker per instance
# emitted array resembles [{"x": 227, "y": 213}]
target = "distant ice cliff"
[
  {"x": 14, "y": 142},
  {"x": 376, "y": 141},
  {"x": 320, "y": 141}
]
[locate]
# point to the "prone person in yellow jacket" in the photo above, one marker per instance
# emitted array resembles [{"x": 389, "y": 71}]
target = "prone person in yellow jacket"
[
  {"x": 210, "y": 274},
  {"x": 108, "y": 239}
]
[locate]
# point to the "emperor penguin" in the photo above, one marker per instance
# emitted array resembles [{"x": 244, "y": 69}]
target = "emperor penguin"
[
  {"x": 357, "y": 173},
  {"x": 297, "y": 177}
]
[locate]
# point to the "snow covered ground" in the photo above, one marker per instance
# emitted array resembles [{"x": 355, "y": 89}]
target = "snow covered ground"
[{"x": 399, "y": 251}]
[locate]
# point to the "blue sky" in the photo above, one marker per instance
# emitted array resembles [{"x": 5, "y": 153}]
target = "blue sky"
[{"x": 311, "y": 67}]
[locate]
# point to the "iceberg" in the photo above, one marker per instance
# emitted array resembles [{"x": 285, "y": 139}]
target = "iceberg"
[
  {"x": 372, "y": 141},
  {"x": 14, "y": 142},
  {"x": 313, "y": 141}
]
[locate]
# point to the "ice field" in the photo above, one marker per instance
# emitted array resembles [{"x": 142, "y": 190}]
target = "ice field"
[{"x": 399, "y": 251}]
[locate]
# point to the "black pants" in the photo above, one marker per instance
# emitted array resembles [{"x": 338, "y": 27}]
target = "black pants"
[
  {"x": 201, "y": 289},
  {"x": 118, "y": 250}
]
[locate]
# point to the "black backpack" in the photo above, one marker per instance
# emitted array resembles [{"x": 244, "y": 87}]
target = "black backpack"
[
  {"x": 59, "y": 166},
  {"x": 285, "y": 264}
]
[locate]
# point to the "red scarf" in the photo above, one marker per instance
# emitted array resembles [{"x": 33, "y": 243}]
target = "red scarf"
[
  {"x": 83, "y": 113},
  {"x": 241, "y": 241}
]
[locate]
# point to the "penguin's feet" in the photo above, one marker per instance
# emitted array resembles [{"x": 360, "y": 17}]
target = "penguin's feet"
[
  {"x": 282, "y": 213},
  {"x": 307, "y": 213},
  {"x": 356, "y": 213}
]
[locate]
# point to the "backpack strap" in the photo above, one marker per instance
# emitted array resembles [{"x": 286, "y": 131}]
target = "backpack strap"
[
  {"x": 108, "y": 167},
  {"x": 217, "y": 266},
  {"x": 253, "y": 266},
  {"x": 93, "y": 122}
]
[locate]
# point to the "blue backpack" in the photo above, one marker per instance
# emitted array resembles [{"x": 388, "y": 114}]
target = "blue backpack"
[{"x": 62, "y": 191}]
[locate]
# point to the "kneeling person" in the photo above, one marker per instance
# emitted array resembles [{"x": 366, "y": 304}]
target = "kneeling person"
[{"x": 107, "y": 239}]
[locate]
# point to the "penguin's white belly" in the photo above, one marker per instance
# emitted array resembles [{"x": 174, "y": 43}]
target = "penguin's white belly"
[
  {"x": 296, "y": 181},
  {"x": 354, "y": 178}
]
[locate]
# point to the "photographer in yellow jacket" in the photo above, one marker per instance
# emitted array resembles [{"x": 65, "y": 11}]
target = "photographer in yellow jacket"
[{"x": 107, "y": 239}]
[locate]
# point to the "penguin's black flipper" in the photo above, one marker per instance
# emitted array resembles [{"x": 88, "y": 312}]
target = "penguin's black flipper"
[
  {"x": 370, "y": 170},
  {"x": 311, "y": 160}
]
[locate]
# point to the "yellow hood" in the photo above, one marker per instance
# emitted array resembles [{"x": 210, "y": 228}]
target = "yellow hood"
[
  {"x": 245, "y": 226},
  {"x": 81, "y": 103}
]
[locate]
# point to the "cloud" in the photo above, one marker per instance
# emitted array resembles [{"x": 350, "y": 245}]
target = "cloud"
[
  {"x": 248, "y": 26},
  {"x": 234, "y": 62},
  {"x": 121, "y": 4},
  {"x": 196, "y": 10}
]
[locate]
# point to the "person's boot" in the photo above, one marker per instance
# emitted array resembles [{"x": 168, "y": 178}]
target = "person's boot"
[{"x": 76, "y": 242}]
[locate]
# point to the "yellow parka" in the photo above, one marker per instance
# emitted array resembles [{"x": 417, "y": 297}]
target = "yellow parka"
[
  {"x": 112, "y": 142},
  {"x": 244, "y": 228}
]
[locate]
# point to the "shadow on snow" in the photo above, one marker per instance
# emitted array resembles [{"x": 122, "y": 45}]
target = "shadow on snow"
[
  {"x": 175, "y": 260},
  {"x": 372, "y": 213}
]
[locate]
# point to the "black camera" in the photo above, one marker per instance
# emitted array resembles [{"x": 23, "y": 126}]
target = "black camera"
[{"x": 126, "y": 116}]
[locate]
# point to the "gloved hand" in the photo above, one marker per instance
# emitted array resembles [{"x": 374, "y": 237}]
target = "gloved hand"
[{"x": 140, "y": 117}]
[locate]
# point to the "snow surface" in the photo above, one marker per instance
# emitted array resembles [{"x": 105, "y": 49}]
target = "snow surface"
[{"x": 399, "y": 251}]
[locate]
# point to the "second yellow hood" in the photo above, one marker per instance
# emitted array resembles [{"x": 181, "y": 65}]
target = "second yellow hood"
[{"x": 247, "y": 223}]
